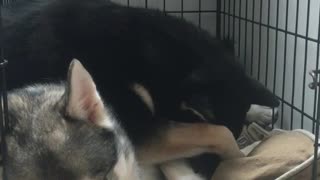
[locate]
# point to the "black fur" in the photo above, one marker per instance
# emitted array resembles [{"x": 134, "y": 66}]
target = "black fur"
[{"x": 173, "y": 59}]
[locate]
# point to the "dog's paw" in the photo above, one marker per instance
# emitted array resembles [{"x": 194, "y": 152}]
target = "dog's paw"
[
  {"x": 190, "y": 177},
  {"x": 262, "y": 115}
]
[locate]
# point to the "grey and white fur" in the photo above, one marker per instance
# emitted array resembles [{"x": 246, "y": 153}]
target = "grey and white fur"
[{"x": 65, "y": 131}]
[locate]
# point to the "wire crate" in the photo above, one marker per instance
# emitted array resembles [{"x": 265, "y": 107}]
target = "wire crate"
[
  {"x": 277, "y": 41},
  {"x": 3, "y": 101},
  {"x": 278, "y": 44}
]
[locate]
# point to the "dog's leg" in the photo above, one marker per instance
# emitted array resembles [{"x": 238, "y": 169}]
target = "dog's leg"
[
  {"x": 179, "y": 170},
  {"x": 182, "y": 140}
]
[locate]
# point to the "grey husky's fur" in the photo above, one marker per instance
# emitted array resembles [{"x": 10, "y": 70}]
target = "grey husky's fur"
[{"x": 64, "y": 131}]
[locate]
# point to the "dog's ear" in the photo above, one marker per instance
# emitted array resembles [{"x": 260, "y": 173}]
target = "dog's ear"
[
  {"x": 260, "y": 95},
  {"x": 83, "y": 101}
]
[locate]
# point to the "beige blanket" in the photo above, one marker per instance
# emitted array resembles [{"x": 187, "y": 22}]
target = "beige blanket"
[{"x": 270, "y": 159}]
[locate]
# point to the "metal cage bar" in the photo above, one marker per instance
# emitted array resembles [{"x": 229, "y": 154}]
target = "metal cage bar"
[
  {"x": 294, "y": 62},
  {"x": 279, "y": 62},
  {"x": 315, "y": 85},
  {"x": 305, "y": 65},
  {"x": 4, "y": 125},
  {"x": 284, "y": 61},
  {"x": 4, "y": 121},
  {"x": 218, "y": 28}
]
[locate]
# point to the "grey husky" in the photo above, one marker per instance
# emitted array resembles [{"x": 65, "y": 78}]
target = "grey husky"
[{"x": 65, "y": 131}]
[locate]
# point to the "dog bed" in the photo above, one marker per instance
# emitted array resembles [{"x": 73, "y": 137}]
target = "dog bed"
[{"x": 280, "y": 155}]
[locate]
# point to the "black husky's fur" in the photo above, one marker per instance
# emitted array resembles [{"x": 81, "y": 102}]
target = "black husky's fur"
[{"x": 121, "y": 46}]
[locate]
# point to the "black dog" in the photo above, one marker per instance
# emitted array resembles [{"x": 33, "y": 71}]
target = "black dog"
[{"x": 177, "y": 63}]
